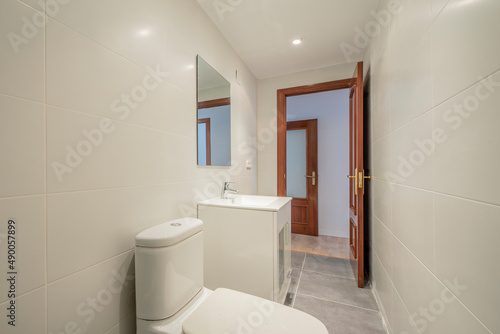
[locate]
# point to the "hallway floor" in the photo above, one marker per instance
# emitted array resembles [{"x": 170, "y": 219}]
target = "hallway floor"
[
  {"x": 325, "y": 288},
  {"x": 321, "y": 245}
]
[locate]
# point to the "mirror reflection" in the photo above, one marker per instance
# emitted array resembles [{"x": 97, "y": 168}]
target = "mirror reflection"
[{"x": 214, "y": 117}]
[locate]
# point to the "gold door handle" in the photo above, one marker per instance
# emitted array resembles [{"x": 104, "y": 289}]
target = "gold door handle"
[
  {"x": 313, "y": 176},
  {"x": 355, "y": 177},
  {"x": 359, "y": 178}
]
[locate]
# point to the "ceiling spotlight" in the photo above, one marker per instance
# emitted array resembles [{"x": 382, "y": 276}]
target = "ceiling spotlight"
[
  {"x": 144, "y": 32},
  {"x": 297, "y": 41}
]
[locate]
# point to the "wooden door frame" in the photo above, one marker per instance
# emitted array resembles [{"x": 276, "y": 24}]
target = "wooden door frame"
[
  {"x": 281, "y": 126},
  {"x": 208, "y": 142}
]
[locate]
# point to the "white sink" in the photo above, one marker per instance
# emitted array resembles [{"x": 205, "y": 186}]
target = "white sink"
[
  {"x": 254, "y": 200},
  {"x": 269, "y": 203}
]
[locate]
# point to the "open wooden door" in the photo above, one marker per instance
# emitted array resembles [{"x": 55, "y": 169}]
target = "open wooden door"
[{"x": 357, "y": 176}]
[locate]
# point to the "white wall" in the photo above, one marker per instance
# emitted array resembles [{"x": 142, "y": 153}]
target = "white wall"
[
  {"x": 332, "y": 111},
  {"x": 138, "y": 169},
  {"x": 266, "y": 116},
  {"x": 435, "y": 210}
]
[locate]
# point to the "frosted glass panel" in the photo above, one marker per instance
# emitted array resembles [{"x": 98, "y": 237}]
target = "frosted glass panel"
[{"x": 296, "y": 154}]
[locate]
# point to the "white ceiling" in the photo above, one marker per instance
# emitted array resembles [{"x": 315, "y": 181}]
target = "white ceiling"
[{"x": 261, "y": 31}]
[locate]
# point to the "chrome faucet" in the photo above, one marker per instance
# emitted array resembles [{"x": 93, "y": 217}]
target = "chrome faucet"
[{"x": 225, "y": 188}]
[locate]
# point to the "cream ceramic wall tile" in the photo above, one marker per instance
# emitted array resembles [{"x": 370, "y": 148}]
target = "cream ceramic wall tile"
[
  {"x": 383, "y": 290},
  {"x": 133, "y": 30},
  {"x": 118, "y": 154},
  {"x": 464, "y": 46},
  {"x": 412, "y": 86},
  {"x": 469, "y": 122},
  {"x": 451, "y": 316},
  {"x": 413, "y": 281},
  {"x": 382, "y": 244},
  {"x": 407, "y": 29},
  {"x": 38, "y": 5},
  {"x": 95, "y": 299},
  {"x": 381, "y": 197},
  {"x": 267, "y": 181},
  {"x": 199, "y": 36},
  {"x": 467, "y": 250},
  {"x": 126, "y": 326},
  {"x": 31, "y": 314},
  {"x": 85, "y": 228},
  {"x": 28, "y": 215},
  {"x": 412, "y": 153},
  {"x": 21, "y": 51},
  {"x": 84, "y": 76},
  {"x": 181, "y": 68},
  {"x": 381, "y": 111},
  {"x": 402, "y": 322},
  {"x": 413, "y": 222},
  {"x": 381, "y": 159},
  {"x": 22, "y": 137},
  {"x": 437, "y": 7}
]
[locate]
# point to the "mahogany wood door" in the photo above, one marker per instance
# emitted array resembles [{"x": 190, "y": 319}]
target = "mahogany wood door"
[
  {"x": 302, "y": 175},
  {"x": 356, "y": 176}
]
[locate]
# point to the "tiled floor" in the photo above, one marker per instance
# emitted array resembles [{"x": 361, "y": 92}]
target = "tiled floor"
[{"x": 325, "y": 288}]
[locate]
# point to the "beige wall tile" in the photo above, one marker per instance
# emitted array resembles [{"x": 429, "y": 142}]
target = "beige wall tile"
[{"x": 22, "y": 139}]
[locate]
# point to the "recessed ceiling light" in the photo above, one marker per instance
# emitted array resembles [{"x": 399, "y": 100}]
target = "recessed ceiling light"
[
  {"x": 144, "y": 32},
  {"x": 297, "y": 41}
]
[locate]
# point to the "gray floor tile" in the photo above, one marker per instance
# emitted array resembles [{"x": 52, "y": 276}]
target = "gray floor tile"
[
  {"x": 336, "y": 289},
  {"x": 296, "y": 272},
  {"x": 298, "y": 260},
  {"x": 328, "y": 265},
  {"x": 341, "y": 319}
]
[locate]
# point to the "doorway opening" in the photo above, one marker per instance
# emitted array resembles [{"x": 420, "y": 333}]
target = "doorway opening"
[
  {"x": 329, "y": 104},
  {"x": 357, "y": 175}
]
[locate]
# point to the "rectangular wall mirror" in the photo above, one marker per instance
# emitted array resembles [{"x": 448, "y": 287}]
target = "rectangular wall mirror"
[{"x": 214, "y": 116}]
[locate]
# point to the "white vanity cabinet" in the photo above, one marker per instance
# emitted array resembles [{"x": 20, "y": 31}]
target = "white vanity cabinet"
[{"x": 247, "y": 244}]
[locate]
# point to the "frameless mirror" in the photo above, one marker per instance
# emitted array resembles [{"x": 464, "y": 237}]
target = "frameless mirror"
[{"x": 214, "y": 117}]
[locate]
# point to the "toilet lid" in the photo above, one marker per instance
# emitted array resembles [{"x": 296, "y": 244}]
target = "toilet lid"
[{"x": 228, "y": 311}]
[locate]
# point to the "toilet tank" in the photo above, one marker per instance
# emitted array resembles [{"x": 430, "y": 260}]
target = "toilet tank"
[{"x": 168, "y": 267}]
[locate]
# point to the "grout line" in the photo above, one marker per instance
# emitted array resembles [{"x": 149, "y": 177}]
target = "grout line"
[
  {"x": 42, "y": 10},
  {"x": 322, "y": 255},
  {"x": 46, "y": 169},
  {"x": 118, "y": 121},
  {"x": 4, "y": 94},
  {"x": 439, "y": 193},
  {"x": 131, "y": 250},
  {"x": 330, "y": 274},
  {"x": 298, "y": 282},
  {"x": 332, "y": 301},
  {"x": 78, "y": 191}
]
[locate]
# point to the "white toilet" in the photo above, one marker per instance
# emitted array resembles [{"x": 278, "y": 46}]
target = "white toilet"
[{"x": 171, "y": 298}]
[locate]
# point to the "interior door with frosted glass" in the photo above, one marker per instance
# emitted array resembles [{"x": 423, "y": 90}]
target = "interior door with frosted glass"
[{"x": 302, "y": 175}]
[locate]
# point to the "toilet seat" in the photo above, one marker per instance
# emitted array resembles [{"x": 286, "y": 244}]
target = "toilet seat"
[{"x": 229, "y": 311}]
